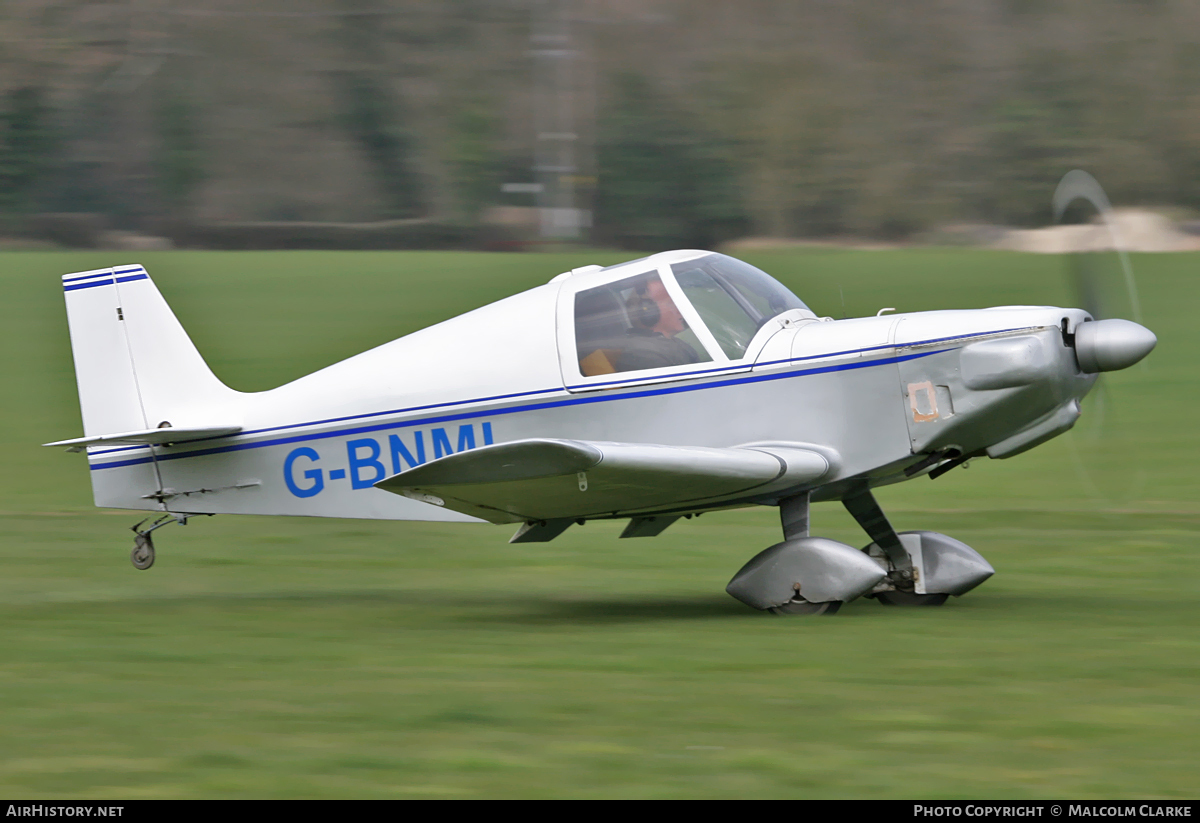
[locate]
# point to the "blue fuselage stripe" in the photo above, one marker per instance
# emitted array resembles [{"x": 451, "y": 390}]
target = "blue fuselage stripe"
[
  {"x": 741, "y": 366},
  {"x": 682, "y": 376},
  {"x": 409, "y": 410},
  {"x": 469, "y": 415}
]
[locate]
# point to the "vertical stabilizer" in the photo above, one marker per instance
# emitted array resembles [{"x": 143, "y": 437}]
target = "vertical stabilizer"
[
  {"x": 135, "y": 366},
  {"x": 108, "y": 392}
]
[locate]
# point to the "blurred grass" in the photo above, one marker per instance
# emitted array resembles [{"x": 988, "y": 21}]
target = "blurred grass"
[{"x": 273, "y": 657}]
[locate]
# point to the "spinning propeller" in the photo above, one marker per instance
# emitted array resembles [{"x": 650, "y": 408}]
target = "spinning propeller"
[{"x": 1104, "y": 286}]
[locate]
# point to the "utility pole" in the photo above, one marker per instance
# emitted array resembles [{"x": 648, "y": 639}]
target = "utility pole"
[{"x": 556, "y": 149}]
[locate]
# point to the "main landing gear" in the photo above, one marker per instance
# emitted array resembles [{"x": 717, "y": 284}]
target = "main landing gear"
[
  {"x": 815, "y": 575},
  {"x": 142, "y": 555}
]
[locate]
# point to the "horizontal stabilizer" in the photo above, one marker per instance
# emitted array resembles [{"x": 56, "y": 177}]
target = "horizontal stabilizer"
[
  {"x": 543, "y": 479},
  {"x": 147, "y": 437}
]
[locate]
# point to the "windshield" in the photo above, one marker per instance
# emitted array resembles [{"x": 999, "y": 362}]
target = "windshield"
[{"x": 733, "y": 298}]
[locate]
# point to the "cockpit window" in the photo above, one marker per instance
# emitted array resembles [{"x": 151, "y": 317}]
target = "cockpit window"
[
  {"x": 728, "y": 321},
  {"x": 733, "y": 298},
  {"x": 630, "y": 325}
]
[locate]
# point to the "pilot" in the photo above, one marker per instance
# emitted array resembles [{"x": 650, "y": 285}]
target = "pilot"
[{"x": 651, "y": 343}]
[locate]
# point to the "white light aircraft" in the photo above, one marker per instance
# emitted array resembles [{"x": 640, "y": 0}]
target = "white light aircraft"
[{"x": 660, "y": 388}]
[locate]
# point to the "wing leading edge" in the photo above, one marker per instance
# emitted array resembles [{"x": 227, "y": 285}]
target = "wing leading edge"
[{"x": 544, "y": 479}]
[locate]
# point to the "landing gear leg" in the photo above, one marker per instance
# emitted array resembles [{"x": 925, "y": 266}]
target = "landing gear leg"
[
  {"x": 901, "y": 575},
  {"x": 142, "y": 555},
  {"x": 864, "y": 508},
  {"x": 923, "y": 568},
  {"x": 793, "y": 516}
]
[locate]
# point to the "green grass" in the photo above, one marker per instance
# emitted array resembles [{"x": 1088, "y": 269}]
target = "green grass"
[{"x": 272, "y": 657}]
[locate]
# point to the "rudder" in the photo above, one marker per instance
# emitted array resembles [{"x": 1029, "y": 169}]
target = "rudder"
[{"x": 135, "y": 366}]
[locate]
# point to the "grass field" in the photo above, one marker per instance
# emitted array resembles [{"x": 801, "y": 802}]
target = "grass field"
[{"x": 273, "y": 657}]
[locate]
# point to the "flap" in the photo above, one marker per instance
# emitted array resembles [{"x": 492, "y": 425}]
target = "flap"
[
  {"x": 147, "y": 437},
  {"x": 543, "y": 479}
]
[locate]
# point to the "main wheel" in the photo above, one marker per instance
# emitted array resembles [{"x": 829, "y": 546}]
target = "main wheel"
[
  {"x": 142, "y": 555},
  {"x": 805, "y": 607},
  {"x": 899, "y": 598}
]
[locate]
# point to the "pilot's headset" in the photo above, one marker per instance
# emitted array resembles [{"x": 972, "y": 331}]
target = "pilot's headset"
[{"x": 643, "y": 312}]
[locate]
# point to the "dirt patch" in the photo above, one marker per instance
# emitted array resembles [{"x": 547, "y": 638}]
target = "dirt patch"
[{"x": 1136, "y": 229}]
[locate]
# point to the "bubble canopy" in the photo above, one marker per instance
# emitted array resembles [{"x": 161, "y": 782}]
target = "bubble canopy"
[
  {"x": 685, "y": 310},
  {"x": 733, "y": 298}
]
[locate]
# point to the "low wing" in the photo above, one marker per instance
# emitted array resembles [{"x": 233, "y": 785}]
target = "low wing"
[
  {"x": 147, "y": 437},
  {"x": 542, "y": 479}
]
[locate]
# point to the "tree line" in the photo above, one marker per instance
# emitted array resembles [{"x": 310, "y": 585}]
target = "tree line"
[{"x": 697, "y": 120}]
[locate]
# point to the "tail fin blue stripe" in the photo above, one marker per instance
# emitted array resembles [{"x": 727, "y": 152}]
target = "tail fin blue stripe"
[
  {"x": 91, "y": 285},
  {"x": 93, "y": 276},
  {"x": 107, "y": 282},
  {"x": 104, "y": 273}
]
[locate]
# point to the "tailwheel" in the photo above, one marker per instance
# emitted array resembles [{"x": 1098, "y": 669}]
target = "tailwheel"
[
  {"x": 142, "y": 555},
  {"x": 805, "y": 607},
  {"x": 899, "y": 598}
]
